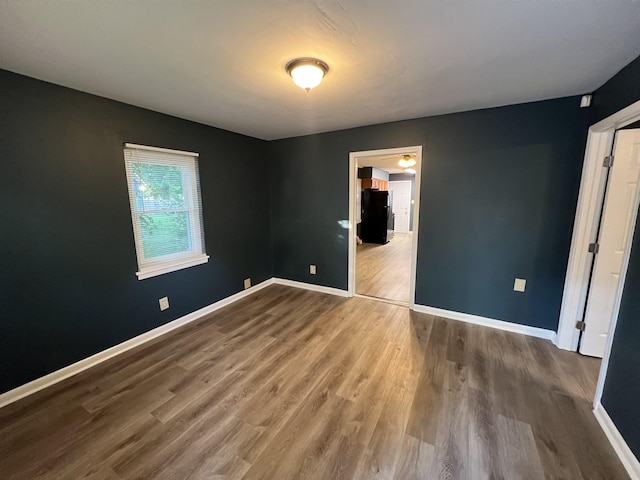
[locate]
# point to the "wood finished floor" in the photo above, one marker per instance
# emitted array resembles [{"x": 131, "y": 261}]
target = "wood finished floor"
[
  {"x": 384, "y": 271},
  {"x": 293, "y": 384}
]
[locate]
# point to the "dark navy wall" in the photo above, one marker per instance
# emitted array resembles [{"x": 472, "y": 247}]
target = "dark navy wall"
[
  {"x": 620, "y": 91},
  {"x": 68, "y": 287},
  {"x": 498, "y": 199},
  {"x": 622, "y": 385},
  {"x": 398, "y": 177}
]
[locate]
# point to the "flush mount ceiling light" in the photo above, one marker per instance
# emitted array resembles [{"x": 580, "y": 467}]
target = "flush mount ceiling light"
[
  {"x": 407, "y": 161},
  {"x": 410, "y": 171},
  {"x": 307, "y": 73}
]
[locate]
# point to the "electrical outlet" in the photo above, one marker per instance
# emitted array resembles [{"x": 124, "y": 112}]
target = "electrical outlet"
[
  {"x": 164, "y": 303},
  {"x": 247, "y": 283},
  {"x": 312, "y": 269},
  {"x": 519, "y": 285}
]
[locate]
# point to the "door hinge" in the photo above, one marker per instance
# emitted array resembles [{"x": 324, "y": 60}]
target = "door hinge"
[
  {"x": 594, "y": 247},
  {"x": 608, "y": 161},
  {"x": 580, "y": 325}
]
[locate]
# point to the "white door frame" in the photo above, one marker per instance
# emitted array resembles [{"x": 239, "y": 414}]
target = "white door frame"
[
  {"x": 410, "y": 199},
  {"x": 599, "y": 145},
  {"x": 353, "y": 174}
]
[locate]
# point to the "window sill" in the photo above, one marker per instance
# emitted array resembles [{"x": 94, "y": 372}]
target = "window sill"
[{"x": 172, "y": 267}]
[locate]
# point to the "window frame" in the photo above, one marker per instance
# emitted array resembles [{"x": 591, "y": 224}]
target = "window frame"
[{"x": 151, "y": 267}]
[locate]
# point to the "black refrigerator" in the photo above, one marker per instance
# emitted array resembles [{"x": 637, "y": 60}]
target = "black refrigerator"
[{"x": 377, "y": 217}]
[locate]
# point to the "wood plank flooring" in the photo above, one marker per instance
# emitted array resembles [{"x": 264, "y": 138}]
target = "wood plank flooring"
[
  {"x": 293, "y": 384},
  {"x": 384, "y": 271}
]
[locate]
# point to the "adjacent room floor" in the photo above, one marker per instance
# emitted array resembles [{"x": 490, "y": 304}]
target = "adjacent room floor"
[
  {"x": 384, "y": 271},
  {"x": 293, "y": 384}
]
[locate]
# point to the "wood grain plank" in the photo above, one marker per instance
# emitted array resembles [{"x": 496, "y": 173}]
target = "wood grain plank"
[
  {"x": 384, "y": 271},
  {"x": 428, "y": 400},
  {"x": 297, "y": 384}
]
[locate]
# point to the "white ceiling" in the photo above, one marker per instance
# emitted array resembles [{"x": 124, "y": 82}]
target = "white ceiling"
[
  {"x": 388, "y": 163},
  {"x": 222, "y": 62}
]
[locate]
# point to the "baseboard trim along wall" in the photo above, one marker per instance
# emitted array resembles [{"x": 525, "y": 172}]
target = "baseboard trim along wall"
[
  {"x": 311, "y": 286},
  {"x": 488, "y": 322},
  {"x": 625, "y": 454},
  {"x": 75, "y": 368}
]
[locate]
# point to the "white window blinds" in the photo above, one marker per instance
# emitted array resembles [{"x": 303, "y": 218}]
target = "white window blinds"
[{"x": 166, "y": 211}]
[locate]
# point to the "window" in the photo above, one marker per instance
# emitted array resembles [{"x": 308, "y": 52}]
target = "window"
[{"x": 164, "y": 193}]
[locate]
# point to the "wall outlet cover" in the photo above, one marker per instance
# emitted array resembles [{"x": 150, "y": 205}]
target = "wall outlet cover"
[
  {"x": 247, "y": 283},
  {"x": 312, "y": 269},
  {"x": 519, "y": 285},
  {"x": 164, "y": 303}
]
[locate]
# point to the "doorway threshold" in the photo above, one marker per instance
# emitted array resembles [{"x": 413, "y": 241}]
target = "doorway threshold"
[{"x": 384, "y": 300}]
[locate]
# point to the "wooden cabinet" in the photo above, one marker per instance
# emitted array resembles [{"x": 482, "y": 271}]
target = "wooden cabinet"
[{"x": 375, "y": 183}]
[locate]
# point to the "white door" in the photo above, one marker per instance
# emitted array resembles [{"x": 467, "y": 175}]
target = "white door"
[
  {"x": 615, "y": 237},
  {"x": 401, "y": 204}
]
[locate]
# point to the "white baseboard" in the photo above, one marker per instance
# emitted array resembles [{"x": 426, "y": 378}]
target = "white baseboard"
[
  {"x": 310, "y": 286},
  {"x": 625, "y": 454},
  {"x": 488, "y": 322},
  {"x": 75, "y": 368}
]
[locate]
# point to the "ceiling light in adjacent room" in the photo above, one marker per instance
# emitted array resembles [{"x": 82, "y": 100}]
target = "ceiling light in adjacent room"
[
  {"x": 410, "y": 171},
  {"x": 307, "y": 73},
  {"x": 407, "y": 161}
]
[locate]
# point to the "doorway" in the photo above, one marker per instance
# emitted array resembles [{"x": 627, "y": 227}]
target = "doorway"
[
  {"x": 384, "y": 188},
  {"x": 593, "y": 195},
  {"x": 620, "y": 205}
]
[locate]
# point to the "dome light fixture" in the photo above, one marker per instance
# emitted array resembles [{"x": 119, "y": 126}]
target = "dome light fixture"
[
  {"x": 407, "y": 161},
  {"x": 307, "y": 72},
  {"x": 410, "y": 171}
]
